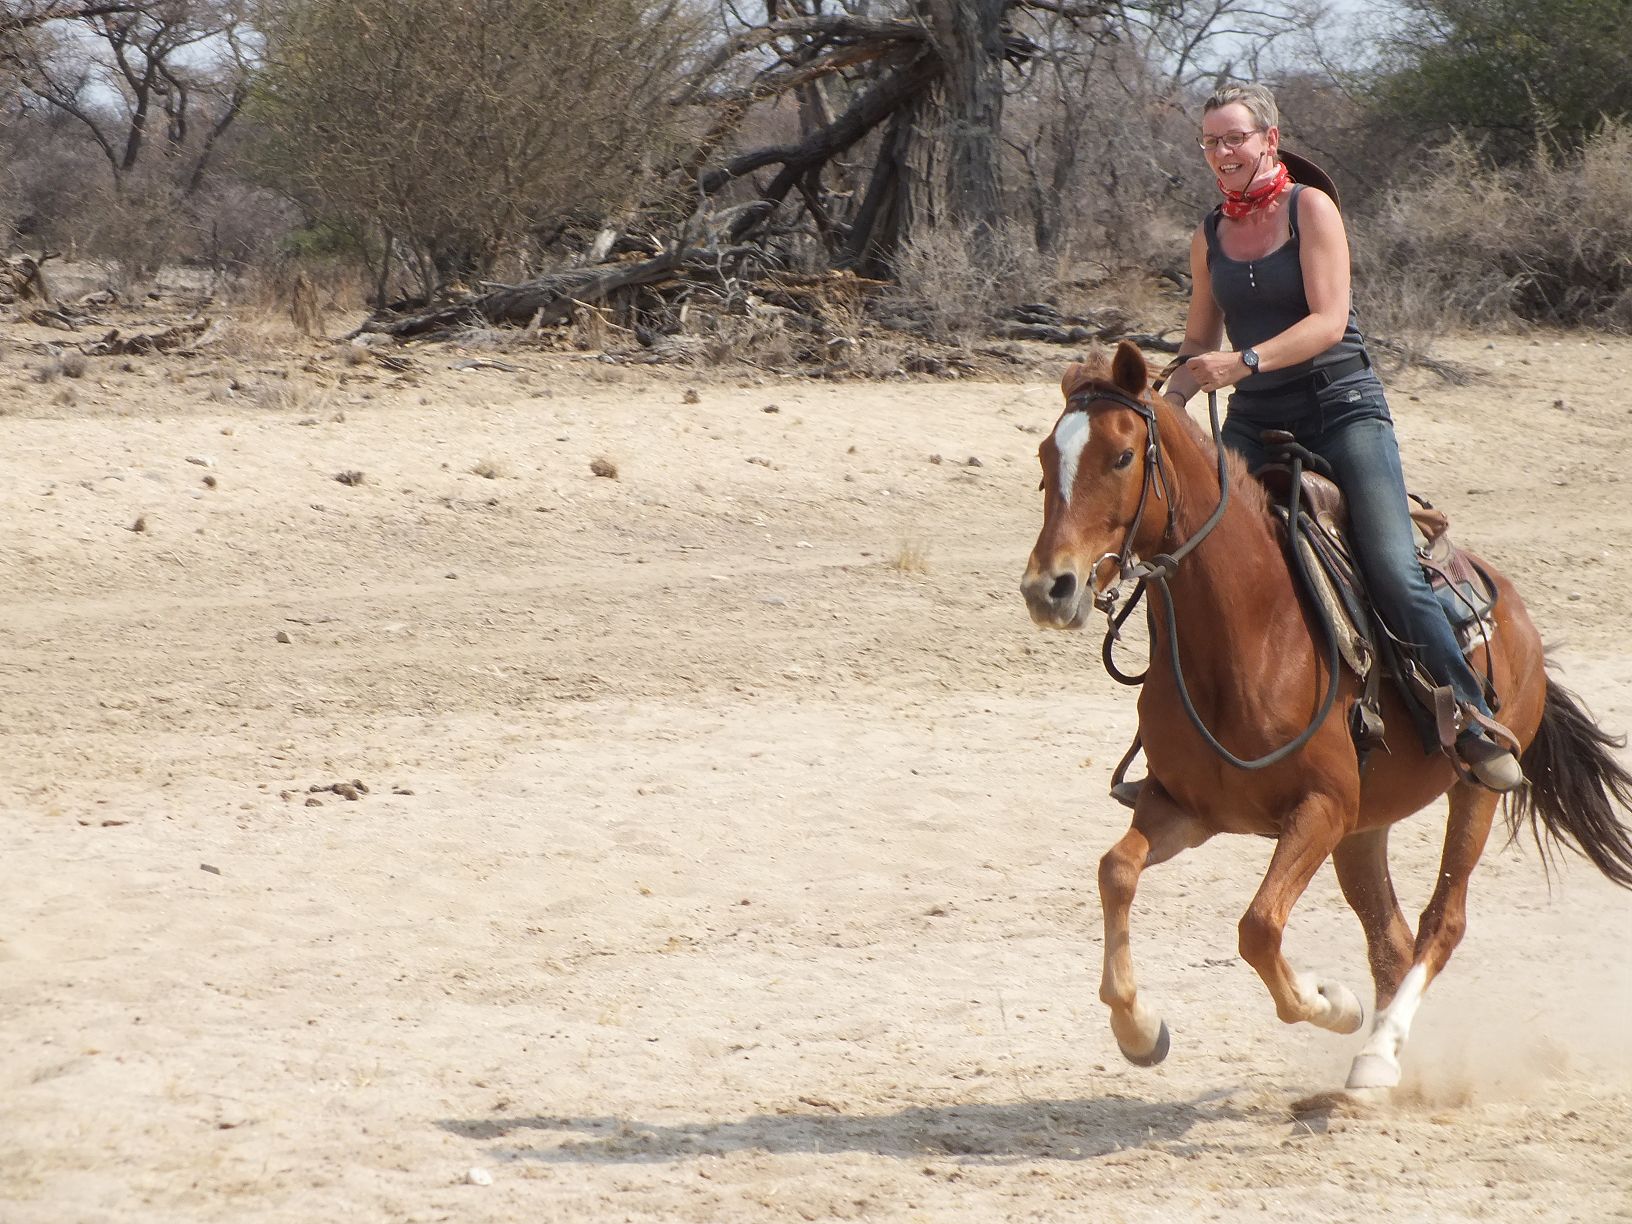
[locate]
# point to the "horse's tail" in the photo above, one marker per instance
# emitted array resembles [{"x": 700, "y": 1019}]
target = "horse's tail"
[{"x": 1576, "y": 785}]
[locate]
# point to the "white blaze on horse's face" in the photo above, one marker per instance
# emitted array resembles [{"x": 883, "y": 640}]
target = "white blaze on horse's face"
[{"x": 1070, "y": 440}]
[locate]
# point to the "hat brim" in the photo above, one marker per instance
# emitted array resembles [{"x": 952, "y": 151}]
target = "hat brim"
[{"x": 1304, "y": 171}]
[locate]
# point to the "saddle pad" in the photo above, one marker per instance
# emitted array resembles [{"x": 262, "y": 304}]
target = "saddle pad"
[
  {"x": 1329, "y": 592},
  {"x": 1463, "y": 591}
]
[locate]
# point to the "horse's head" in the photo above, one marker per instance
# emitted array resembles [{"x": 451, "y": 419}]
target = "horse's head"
[{"x": 1096, "y": 488}]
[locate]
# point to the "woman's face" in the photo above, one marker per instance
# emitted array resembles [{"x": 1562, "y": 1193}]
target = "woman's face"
[{"x": 1237, "y": 167}]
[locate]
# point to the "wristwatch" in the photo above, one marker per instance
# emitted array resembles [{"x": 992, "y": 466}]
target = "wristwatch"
[{"x": 1249, "y": 358}]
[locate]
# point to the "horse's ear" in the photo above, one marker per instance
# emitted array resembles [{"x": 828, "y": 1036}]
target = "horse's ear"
[
  {"x": 1076, "y": 376},
  {"x": 1128, "y": 369}
]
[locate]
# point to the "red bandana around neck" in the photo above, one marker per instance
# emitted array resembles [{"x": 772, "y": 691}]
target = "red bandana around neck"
[{"x": 1238, "y": 204}]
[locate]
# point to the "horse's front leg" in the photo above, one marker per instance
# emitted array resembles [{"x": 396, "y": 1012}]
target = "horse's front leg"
[
  {"x": 1309, "y": 835},
  {"x": 1160, "y": 829}
]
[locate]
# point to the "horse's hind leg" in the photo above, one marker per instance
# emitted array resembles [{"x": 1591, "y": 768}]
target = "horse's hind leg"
[
  {"x": 1160, "y": 829},
  {"x": 1309, "y": 835},
  {"x": 1438, "y": 932},
  {"x": 1361, "y": 861}
]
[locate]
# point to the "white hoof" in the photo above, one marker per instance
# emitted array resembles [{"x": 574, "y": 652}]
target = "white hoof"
[
  {"x": 1343, "y": 1012},
  {"x": 1373, "y": 1072}
]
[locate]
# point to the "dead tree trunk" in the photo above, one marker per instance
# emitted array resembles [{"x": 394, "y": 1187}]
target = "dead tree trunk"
[
  {"x": 969, "y": 39},
  {"x": 876, "y": 233}
]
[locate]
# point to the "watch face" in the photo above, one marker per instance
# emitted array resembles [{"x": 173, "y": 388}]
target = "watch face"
[{"x": 1249, "y": 359}]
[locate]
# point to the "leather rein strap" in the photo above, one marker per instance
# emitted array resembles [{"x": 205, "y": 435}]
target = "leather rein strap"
[{"x": 1161, "y": 567}]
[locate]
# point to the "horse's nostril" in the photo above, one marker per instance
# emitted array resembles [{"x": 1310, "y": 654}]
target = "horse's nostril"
[{"x": 1064, "y": 587}]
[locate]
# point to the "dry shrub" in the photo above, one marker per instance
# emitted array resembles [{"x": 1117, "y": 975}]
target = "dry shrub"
[
  {"x": 137, "y": 229},
  {"x": 331, "y": 286},
  {"x": 460, "y": 128},
  {"x": 760, "y": 337},
  {"x": 257, "y": 335},
  {"x": 238, "y": 226},
  {"x": 959, "y": 283},
  {"x": 1470, "y": 244}
]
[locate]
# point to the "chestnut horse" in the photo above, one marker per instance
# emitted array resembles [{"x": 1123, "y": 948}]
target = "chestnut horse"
[{"x": 1124, "y": 473}]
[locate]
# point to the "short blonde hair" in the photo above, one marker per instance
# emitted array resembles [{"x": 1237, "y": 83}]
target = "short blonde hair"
[{"x": 1260, "y": 103}]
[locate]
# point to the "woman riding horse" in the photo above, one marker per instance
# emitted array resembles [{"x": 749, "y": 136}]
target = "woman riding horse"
[
  {"x": 1233, "y": 706},
  {"x": 1270, "y": 267}
]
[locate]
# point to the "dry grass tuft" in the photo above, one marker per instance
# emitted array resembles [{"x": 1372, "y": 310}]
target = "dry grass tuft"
[
  {"x": 292, "y": 395},
  {"x": 912, "y": 557},
  {"x": 258, "y": 335},
  {"x": 305, "y": 305}
]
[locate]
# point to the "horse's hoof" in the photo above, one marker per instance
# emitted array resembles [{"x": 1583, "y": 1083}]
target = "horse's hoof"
[
  {"x": 1156, "y": 1053},
  {"x": 1346, "y": 1013},
  {"x": 1373, "y": 1073}
]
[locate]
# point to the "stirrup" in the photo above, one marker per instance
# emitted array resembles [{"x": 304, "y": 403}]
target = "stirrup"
[
  {"x": 1481, "y": 749},
  {"x": 1127, "y": 793}
]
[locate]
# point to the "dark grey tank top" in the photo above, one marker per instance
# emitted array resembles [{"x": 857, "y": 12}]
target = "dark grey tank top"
[{"x": 1261, "y": 298}]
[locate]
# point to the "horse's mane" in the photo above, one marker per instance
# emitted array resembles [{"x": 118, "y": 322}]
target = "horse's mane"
[{"x": 1247, "y": 491}]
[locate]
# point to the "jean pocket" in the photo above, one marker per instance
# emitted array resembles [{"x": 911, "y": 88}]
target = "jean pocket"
[{"x": 1356, "y": 404}]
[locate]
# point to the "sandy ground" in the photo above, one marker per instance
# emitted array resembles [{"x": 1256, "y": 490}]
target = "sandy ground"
[{"x": 729, "y": 838}]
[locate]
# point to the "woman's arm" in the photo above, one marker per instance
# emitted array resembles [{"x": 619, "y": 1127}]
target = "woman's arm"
[
  {"x": 1203, "y": 326},
  {"x": 1323, "y": 249}
]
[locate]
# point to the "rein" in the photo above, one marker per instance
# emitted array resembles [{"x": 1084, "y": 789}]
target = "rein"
[{"x": 1161, "y": 567}]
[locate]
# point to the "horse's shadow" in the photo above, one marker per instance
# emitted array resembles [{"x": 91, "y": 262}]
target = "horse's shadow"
[{"x": 996, "y": 1133}]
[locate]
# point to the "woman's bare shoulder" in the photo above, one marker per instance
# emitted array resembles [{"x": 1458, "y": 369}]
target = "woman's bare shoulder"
[{"x": 1316, "y": 208}]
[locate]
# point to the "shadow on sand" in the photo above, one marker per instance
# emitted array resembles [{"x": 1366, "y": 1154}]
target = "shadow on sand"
[{"x": 1029, "y": 1130}]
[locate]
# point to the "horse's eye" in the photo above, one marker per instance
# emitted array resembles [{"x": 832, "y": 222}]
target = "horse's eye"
[{"x": 1122, "y": 460}]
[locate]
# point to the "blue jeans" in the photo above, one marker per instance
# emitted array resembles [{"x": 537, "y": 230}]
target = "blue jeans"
[{"x": 1348, "y": 425}]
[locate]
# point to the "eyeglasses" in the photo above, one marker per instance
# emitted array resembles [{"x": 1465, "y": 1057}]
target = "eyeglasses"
[{"x": 1230, "y": 140}]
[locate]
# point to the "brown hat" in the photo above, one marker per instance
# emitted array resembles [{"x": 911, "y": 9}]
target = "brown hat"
[{"x": 1306, "y": 172}]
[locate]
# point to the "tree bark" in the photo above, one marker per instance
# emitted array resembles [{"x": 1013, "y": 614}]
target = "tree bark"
[
  {"x": 875, "y": 235},
  {"x": 969, "y": 36}
]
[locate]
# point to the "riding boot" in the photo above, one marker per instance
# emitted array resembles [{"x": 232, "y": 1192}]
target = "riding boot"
[{"x": 1493, "y": 765}]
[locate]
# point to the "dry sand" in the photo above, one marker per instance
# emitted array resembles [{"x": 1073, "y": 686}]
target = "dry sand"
[{"x": 729, "y": 839}]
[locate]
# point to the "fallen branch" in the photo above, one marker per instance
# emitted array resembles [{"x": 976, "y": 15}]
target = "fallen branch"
[
  {"x": 169, "y": 340},
  {"x": 546, "y": 300}
]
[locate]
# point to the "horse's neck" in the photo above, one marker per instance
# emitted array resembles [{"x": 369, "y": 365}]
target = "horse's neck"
[{"x": 1236, "y": 581}]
